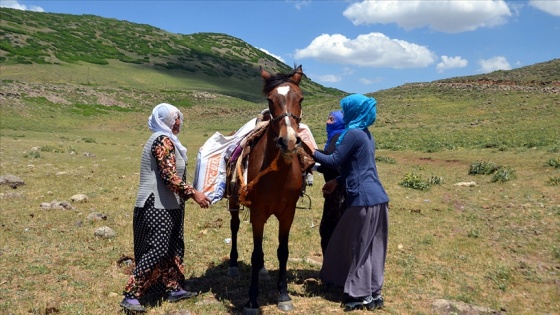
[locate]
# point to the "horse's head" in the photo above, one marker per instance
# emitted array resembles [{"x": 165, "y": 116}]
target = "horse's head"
[{"x": 284, "y": 102}]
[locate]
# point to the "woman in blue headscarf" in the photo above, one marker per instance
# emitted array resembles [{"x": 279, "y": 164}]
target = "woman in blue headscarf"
[
  {"x": 355, "y": 255},
  {"x": 334, "y": 205}
]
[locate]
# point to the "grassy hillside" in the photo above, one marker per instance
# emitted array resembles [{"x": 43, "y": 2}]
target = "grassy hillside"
[{"x": 87, "y": 49}]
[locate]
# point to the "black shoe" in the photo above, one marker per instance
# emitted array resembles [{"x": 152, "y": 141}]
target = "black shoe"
[
  {"x": 378, "y": 300},
  {"x": 360, "y": 303},
  {"x": 132, "y": 305},
  {"x": 175, "y": 296}
]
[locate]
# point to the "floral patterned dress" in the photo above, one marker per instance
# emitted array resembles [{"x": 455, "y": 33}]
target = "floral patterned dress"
[{"x": 158, "y": 233}]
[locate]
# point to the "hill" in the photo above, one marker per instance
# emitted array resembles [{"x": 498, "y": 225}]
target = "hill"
[
  {"x": 88, "y": 49},
  {"x": 68, "y": 67}
]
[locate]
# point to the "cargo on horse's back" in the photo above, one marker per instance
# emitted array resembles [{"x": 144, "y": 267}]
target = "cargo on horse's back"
[{"x": 274, "y": 178}]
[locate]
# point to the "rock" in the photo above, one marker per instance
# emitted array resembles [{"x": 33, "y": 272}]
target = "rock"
[
  {"x": 79, "y": 198},
  {"x": 11, "y": 195},
  {"x": 447, "y": 307},
  {"x": 465, "y": 184},
  {"x": 11, "y": 180},
  {"x": 105, "y": 232},
  {"x": 45, "y": 205},
  {"x": 96, "y": 216}
]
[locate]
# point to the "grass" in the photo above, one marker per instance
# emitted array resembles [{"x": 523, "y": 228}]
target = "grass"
[{"x": 493, "y": 245}]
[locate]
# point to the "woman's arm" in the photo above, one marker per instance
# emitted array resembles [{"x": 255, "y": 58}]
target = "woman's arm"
[{"x": 164, "y": 153}]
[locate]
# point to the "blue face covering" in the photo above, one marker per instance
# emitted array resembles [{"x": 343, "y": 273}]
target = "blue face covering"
[
  {"x": 335, "y": 127},
  {"x": 359, "y": 112}
]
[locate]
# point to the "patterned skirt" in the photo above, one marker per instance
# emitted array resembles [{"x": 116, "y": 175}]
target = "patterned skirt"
[{"x": 159, "y": 249}]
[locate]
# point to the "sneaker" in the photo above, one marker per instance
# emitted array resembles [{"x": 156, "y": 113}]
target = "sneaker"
[
  {"x": 360, "y": 303},
  {"x": 132, "y": 305},
  {"x": 178, "y": 295},
  {"x": 378, "y": 301}
]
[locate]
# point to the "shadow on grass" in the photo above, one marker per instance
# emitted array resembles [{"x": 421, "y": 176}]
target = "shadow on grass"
[{"x": 233, "y": 292}]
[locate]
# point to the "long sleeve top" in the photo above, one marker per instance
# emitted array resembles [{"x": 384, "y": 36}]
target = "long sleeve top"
[{"x": 355, "y": 158}]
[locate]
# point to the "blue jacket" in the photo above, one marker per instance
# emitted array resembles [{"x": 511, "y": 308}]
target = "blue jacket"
[{"x": 355, "y": 157}]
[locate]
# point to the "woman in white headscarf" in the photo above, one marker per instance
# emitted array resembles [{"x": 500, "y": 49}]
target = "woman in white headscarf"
[{"x": 159, "y": 213}]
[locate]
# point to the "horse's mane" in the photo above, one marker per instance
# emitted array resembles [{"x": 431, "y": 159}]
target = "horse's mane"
[{"x": 276, "y": 80}]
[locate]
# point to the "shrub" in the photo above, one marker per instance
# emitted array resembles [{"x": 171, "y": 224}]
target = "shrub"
[
  {"x": 483, "y": 168},
  {"x": 503, "y": 174},
  {"x": 554, "y": 163},
  {"x": 33, "y": 154},
  {"x": 554, "y": 181},
  {"x": 414, "y": 181},
  {"x": 49, "y": 148},
  {"x": 435, "y": 180}
]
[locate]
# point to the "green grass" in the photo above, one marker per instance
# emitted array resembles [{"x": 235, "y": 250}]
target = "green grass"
[{"x": 491, "y": 245}]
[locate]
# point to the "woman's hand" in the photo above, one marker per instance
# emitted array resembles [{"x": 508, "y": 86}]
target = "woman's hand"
[
  {"x": 201, "y": 199},
  {"x": 329, "y": 187}
]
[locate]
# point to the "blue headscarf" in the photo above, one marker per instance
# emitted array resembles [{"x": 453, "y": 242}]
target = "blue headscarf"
[
  {"x": 335, "y": 127},
  {"x": 359, "y": 112}
]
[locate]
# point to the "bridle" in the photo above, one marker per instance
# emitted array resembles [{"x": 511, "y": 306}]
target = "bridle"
[{"x": 287, "y": 114}]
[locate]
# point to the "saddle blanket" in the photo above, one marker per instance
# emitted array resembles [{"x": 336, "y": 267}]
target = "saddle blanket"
[{"x": 212, "y": 159}]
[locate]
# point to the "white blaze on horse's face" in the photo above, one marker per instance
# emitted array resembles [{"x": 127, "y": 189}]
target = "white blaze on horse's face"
[{"x": 291, "y": 134}]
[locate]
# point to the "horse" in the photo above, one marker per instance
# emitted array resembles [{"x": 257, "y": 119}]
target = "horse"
[{"x": 273, "y": 183}]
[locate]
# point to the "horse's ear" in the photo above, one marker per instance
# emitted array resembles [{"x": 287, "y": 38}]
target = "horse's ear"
[
  {"x": 265, "y": 74},
  {"x": 298, "y": 74}
]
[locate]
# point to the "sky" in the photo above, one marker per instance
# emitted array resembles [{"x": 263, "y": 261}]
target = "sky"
[{"x": 357, "y": 46}]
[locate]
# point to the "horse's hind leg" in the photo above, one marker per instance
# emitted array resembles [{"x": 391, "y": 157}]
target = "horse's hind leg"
[
  {"x": 234, "y": 227},
  {"x": 284, "y": 300}
]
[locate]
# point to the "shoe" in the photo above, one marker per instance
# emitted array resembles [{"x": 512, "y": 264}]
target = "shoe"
[
  {"x": 132, "y": 305},
  {"x": 360, "y": 303},
  {"x": 378, "y": 301},
  {"x": 178, "y": 295}
]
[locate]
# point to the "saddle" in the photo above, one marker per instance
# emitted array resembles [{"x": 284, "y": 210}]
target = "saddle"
[{"x": 236, "y": 185}]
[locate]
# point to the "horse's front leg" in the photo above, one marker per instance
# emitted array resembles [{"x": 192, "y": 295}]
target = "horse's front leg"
[
  {"x": 234, "y": 227},
  {"x": 284, "y": 300},
  {"x": 257, "y": 263}
]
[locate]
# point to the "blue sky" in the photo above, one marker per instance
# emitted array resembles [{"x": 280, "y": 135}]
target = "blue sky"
[{"x": 358, "y": 46}]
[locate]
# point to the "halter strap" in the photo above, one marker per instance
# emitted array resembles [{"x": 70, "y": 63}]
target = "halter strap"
[{"x": 297, "y": 118}]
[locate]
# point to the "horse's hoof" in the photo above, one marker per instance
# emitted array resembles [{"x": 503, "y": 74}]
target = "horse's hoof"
[
  {"x": 233, "y": 271},
  {"x": 251, "y": 311},
  {"x": 286, "y": 306},
  {"x": 263, "y": 274}
]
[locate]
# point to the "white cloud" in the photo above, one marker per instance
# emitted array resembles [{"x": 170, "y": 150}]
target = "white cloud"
[
  {"x": 451, "y": 63},
  {"x": 273, "y": 55},
  {"x": 448, "y": 16},
  {"x": 329, "y": 78},
  {"x": 366, "y": 81},
  {"x": 493, "y": 64},
  {"x": 367, "y": 50},
  {"x": 299, "y": 3},
  {"x": 548, "y": 6},
  {"x": 19, "y": 6}
]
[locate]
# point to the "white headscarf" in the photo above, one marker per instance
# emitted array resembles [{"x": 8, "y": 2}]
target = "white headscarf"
[{"x": 162, "y": 119}]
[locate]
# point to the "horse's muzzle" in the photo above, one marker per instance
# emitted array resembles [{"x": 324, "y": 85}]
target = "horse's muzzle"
[{"x": 284, "y": 146}]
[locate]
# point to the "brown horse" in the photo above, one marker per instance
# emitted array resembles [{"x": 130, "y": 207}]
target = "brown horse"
[{"x": 274, "y": 182}]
